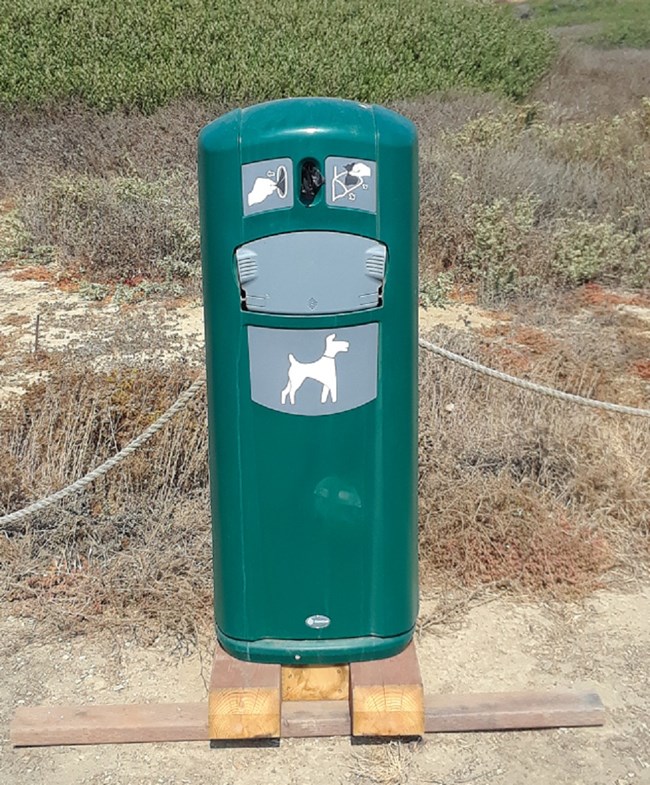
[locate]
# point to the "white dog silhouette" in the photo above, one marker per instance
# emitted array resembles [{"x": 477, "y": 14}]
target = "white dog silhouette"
[{"x": 323, "y": 371}]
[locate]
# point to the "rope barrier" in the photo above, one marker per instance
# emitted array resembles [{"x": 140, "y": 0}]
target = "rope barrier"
[
  {"x": 524, "y": 384},
  {"x": 185, "y": 397},
  {"x": 180, "y": 403}
]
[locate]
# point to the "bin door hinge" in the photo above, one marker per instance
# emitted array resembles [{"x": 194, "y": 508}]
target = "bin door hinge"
[
  {"x": 376, "y": 261},
  {"x": 247, "y": 268}
]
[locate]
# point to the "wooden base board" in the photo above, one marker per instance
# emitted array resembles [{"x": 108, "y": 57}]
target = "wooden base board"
[
  {"x": 253, "y": 701},
  {"x": 386, "y": 696},
  {"x": 512, "y": 711},
  {"x": 40, "y": 726},
  {"x": 244, "y": 699},
  {"x": 315, "y": 682},
  {"x": 43, "y": 726}
]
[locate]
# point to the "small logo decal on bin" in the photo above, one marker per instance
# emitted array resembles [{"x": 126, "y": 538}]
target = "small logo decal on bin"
[{"x": 318, "y": 621}]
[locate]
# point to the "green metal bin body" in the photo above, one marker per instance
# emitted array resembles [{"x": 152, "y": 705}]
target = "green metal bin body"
[{"x": 311, "y": 348}]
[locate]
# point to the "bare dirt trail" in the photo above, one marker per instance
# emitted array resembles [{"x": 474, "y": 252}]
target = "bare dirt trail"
[{"x": 602, "y": 644}]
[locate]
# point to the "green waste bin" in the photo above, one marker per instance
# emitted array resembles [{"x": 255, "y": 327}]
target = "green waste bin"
[{"x": 309, "y": 246}]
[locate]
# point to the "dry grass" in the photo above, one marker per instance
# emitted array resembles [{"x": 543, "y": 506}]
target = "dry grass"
[
  {"x": 113, "y": 194},
  {"x": 511, "y": 195},
  {"x": 120, "y": 228},
  {"x": 72, "y": 139},
  {"x": 135, "y": 549},
  {"x": 524, "y": 491},
  {"x": 554, "y": 192},
  {"x": 514, "y": 199},
  {"x": 516, "y": 491},
  {"x": 587, "y": 82},
  {"x": 384, "y": 764},
  {"x": 5, "y": 345}
]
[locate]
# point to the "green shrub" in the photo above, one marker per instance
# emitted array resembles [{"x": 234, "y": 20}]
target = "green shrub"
[
  {"x": 119, "y": 228},
  {"x": 143, "y": 54},
  {"x": 586, "y": 250},
  {"x": 13, "y": 236},
  {"x": 621, "y": 22},
  {"x": 494, "y": 128},
  {"x": 614, "y": 142},
  {"x": 500, "y": 233},
  {"x": 436, "y": 292},
  {"x": 513, "y": 199},
  {"x": 633, "y": 34},
  {"x": 93, "y": 291}
]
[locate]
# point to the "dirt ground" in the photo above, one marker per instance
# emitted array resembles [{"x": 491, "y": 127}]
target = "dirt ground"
[
  {"x": 602, "y": 644},
  {"x": 99, "y": 332}
]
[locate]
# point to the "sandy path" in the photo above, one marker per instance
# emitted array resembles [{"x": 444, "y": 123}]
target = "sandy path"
[{"x": 101, "y": 334}]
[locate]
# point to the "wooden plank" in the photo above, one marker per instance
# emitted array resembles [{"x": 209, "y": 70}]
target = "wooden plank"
[
  {"x": 42, "y": 726},
  {"x": 303, "y": 719},
  {"x": 461, "y": 713},
  {"x": 57, "y": 725},
  {"x": 512, "y": 710},
  {"x": 387, "y": 696},
  {"x": 315, "y": 682},
  {"x": 244, "y": 699},
  {"x": 36, "y": 726}
]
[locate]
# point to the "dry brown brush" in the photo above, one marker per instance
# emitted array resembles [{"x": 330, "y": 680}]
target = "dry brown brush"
[
  {"x": 515, "y": 198},
  {"x": 515, "y": 491},
  {"x": 134, "y": 550},
  {"x": 521, "y": 490}
]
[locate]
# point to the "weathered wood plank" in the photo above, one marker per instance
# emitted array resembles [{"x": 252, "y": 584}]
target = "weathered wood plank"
[
  {"x": 461, "y": 713},
  {"x": 512, "y": 710},
  {"x": 303, "y": 719},
  {"x": 60, "y": 725},
  {"x": 387, "y": 696},
  {"x": 315, "y": 682},
  {"x": 36, "y": 726},
  {"x": 244, "y": 699}
]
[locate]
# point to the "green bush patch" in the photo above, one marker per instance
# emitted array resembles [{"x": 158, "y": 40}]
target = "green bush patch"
[
  {"x": 621, "y": 22},
  {"x": 118, "y": 228},
  {"x": 144, "y": 55}
]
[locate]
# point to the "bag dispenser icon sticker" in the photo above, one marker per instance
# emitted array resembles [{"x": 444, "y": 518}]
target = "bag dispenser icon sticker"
[
  {"x": 351, "y": 177},
  {"x": 263, "y": 187},
  {"x": 267, "y": 185}
]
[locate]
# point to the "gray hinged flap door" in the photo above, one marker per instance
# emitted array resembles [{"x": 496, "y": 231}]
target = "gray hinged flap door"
[{"x": 311, "y": 273}]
